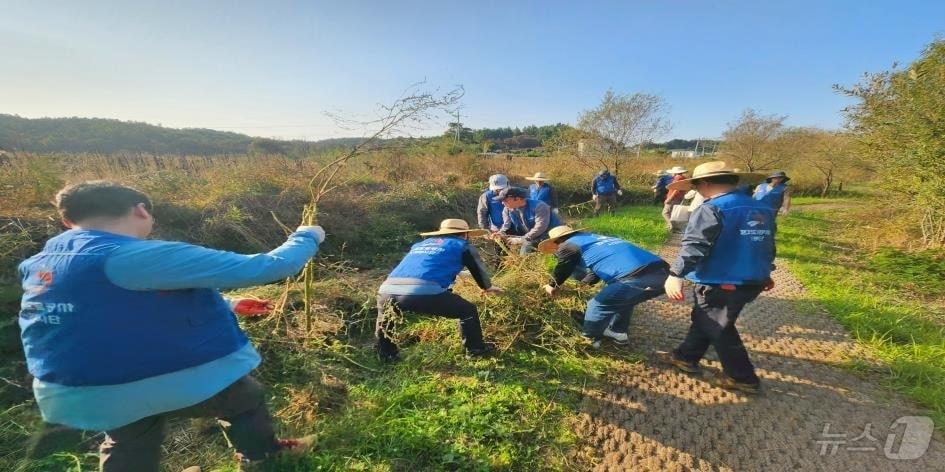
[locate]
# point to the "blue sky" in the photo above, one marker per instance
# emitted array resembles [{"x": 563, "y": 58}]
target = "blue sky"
[{"x": 274, "y": 68}]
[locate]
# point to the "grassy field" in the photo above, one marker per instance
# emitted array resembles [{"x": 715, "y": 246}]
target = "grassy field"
[
  {"x": 435, "y": 410},
  {"x": 891, "y": 301}
]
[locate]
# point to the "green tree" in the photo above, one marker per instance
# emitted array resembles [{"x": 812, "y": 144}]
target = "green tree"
[{"x": 899, "y": 122}]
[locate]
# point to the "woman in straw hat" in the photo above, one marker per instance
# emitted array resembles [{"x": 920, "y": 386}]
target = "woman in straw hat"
[
  {"x": 540, "y": 190},
  {"x": 421, "y": 284},
  {"x": 673, "y": 196},
  {"x": 728, "y": 253},
  {"x": 632, "y": 275}
]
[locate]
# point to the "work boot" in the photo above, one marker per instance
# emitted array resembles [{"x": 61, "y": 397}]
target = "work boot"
[
  {"x": 671, "y": 359},
  {"x": 729, "y": 383},
  {"x": 620, "y": 339},
  {"x": 486, "y": 350}
]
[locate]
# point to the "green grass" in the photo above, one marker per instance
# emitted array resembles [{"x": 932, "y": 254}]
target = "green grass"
[
  {"x": 876, "y": 297},
  {"x": 641, "y": 225}
]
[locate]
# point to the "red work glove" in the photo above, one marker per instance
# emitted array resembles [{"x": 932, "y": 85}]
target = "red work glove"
[
  {"x": 769, "y": 284},
  {"x": 251, "y": 307}
]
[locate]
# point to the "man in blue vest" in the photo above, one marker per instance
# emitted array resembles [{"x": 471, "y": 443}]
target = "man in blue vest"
[
  {"x": 604, "y": 191},
  {"x": 632, "y": 276},
  {"x": 541, "y": 190},
  {"x": 775, "y": 192},
  {"x": 659, "y": 188},
  {"x": 728, "y": 252},
  {"x": 525, "y": 222},
  {"x": 422, "y": 282},
  {"x": 489, "y": 211},
  {"x": 122, "y": 333}
]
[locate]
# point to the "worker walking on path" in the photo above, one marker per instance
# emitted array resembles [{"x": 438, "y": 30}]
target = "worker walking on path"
[
  {"x": 659, "y": 187},
  {"x": 775, "y": 192},
  {"x": 422, "y": 281},
  {"x": 673, "y": 196},
  {"x": 122, "y": 333},
  {"x": 541, "y": 190},
  {"x": 632, "y": 275},
  {"x": 525, "y": 222},
  {"x": 728, "y": 252},
  {"x": 604, "y": 191},
  {"x": 489, "y": 211}
]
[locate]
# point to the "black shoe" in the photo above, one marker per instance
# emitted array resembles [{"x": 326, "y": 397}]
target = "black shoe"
[{"x": 486, "y": 350}]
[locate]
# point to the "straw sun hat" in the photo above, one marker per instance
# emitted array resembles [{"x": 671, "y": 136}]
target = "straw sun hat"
[
  {"x": 539, "y": 176},
  {"x": 713, "y": 169},
  {"x": 677, "y": 170},
  {"x": 455, "y": 226},
  {"x": 550, "y": 245}
]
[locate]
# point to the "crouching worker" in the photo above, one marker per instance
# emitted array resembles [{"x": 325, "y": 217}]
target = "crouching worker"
[
  {"x": 421, "y": 284},
  {"x": 728, "y": 252},
  {"x": 122, "y": 333},
  {"x": 632, "y": 275},
  {"x": 525, "y": 222}
]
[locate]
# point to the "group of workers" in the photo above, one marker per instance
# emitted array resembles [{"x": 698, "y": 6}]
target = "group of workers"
[
  {"x": 122, "y": 333},
  {"x": 773, "y": 191}
]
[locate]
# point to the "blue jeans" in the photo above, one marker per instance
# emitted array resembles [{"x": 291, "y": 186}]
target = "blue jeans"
[{"x": 613, "y": 305}]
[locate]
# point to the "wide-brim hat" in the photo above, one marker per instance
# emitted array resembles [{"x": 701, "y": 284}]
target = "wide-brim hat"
[
  {"x": 677, "y": 170},
  {"x": 713, "y": 169},
  {"x": 661, "y": 172},
  {"x": 554, "y": 234},
  {"x": 777, "y": 175},
  {"x": 539, "y": 176},
  {"x": 455, "y": 226}
]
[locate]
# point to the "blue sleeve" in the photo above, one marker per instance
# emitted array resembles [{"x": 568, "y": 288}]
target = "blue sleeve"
[{"x": 165, "y": 265}]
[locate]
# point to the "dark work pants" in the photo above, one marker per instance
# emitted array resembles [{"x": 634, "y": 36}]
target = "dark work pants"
[
  {"x": 612, "y": 306},
  {"x": 713, "y": 324},
  {"x": 446, "y": 304},
  {"x": 659, "y": 196},
  {"x": 609, "y": 200},
  {"x": 136, "y": 447}
]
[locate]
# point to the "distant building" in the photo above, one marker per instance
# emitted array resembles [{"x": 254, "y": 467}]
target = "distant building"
[{"x": 686, "y": 153}]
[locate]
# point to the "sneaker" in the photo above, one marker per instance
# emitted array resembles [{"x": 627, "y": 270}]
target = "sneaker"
[
  {"x": 729, "y": 383},
  {"x": 486, "y": 350},
  {"x": 671, "y": 359},
  {"x": 617, "y": 338},
  {"x": 595, "y": 343}
]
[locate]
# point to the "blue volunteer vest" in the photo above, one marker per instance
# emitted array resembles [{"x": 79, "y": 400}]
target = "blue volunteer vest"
[
  {"x": 80, "y": 329},
  {"x": 744, "y": 250},
  {"x": 611, "y": 258},
  {"x": 605, "y": 185},
  {"x": 773, "y": 197},
  {"x": 663, "y": 181},
  {"x": 542, "y": 193},
  {"x": 528, "y": 211},
  {"x": 495, "y": 209},
  {"x": 435, "y": 259}
]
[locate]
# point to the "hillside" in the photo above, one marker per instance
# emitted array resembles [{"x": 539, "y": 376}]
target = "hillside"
[{"x": 106, "y": 136}]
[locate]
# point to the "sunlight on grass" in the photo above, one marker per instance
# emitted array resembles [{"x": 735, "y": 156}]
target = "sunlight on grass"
[{"x": 907, "y": 336}]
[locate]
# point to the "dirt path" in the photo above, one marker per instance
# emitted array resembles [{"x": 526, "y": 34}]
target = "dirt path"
[{"x": 650, "y": 417}]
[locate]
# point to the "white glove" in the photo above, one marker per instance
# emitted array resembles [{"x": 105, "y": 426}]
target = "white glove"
[
  {"x": 620, "y": 192},
  {"x": 594, "y": 197},
  {"x": 315, "y": 231},
  {"x": 516, "y": 241}
]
